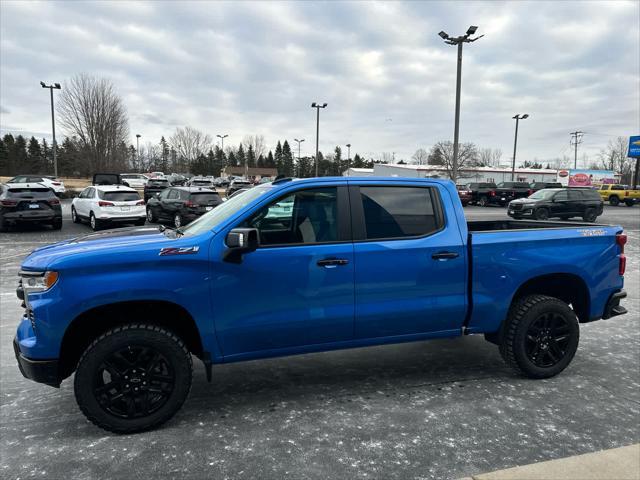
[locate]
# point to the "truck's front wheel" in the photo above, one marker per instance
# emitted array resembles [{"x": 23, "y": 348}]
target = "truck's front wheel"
[
  {"x": 540, "y": 336},
  {"x": 133, "y": 378},
  {"x": 614, "y": 201}
]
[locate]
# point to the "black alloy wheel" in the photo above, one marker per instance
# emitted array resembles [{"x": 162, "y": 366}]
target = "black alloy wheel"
[
  {"x": 547, "y": 339},
  {"x": 134, "y": 382}
]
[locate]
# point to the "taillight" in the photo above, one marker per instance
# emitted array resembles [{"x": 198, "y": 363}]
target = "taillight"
[
  {"x": 8, "y": 203},
  {"x": 492, "y": 193},
  {"x": 141, "y": 202},
  {"x": 621, "y": 240},
  {"x": 105, "y": 204},
  {"x": 54, "y": 201},
  {"x": 529, "y": 192},
  {"x": 57, "y": 184},
  {"x": 626, "y": 194},
  {"x": 189, "y": 203}
]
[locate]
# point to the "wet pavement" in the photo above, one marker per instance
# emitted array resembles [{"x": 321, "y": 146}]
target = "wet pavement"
[{"x": 437, "y": 409}]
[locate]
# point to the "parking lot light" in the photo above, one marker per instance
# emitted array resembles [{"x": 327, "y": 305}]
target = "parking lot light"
[
  {"x": 517, "y": 118},
  {"x": 55, "y": 86},
  {"x": 317, "y": 106}
]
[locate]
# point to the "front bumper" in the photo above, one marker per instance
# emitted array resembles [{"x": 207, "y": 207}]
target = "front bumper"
[
  {"x": 32, "y": 216},
  {"x": 523, "y": 212},
  {"x": 41, "y": 371}
]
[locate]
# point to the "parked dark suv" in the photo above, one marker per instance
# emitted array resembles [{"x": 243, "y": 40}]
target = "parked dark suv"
[
  {"x": 26, "y": 203},
  {"x": 153, "y": 186},
  {"x": 181, "y": 205},
  {"x": 562, "y": 203},
  {"x": 237, "y": 184},
  {"x": 535, "y": 186},
  {"x": 507, "y": 191}
]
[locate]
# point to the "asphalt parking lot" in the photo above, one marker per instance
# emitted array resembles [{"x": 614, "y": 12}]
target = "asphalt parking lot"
[{"x": 438, "y": 409}]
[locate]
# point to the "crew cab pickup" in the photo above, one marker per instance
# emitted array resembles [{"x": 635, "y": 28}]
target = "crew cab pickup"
[
  {"x": 617, "y": 194},
  {"x": 351, "y": 262}
]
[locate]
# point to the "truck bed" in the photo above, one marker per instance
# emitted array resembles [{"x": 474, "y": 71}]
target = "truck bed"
[{"x": 496, "y": 225}]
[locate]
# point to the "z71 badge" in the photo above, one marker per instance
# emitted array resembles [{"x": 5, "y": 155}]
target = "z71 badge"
[
  {"x": 592, "y": 233},
  {"x": 178, "y": 251}
]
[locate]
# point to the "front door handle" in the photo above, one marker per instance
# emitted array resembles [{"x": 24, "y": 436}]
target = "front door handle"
[
  {"x": 332, "y": 262},
  {"x": 444, "y": 255}
]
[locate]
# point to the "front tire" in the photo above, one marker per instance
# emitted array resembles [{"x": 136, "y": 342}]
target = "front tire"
[
  {"x": 540, "y": 336},
  {"x": 133, "y": 378},
  {"x": 542, "y": 214},
  {"x": 614, "y": 201}
]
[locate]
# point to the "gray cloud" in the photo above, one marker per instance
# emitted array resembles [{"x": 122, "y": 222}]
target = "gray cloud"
[{"x": 245, "y": 68}]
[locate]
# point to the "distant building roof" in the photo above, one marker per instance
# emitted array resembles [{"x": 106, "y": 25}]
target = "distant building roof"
[{"x": 471, "y": 169}]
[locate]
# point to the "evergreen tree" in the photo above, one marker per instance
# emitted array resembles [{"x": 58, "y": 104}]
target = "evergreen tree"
[
  {"x": 8, "y": 141},
  {"x": 232, "y": 159},
  {"x": 35, "y": 160},
  {"x": 47, "y": 155},
  {"x": 337, "y": 165},
  {"x": 358, "y": 162},
  {"x": 211, "y": 164},
  {"x": 251, "y": 157},
  {"x": 278, "y": 158},
  {"x": 287, "y": 160},
  {"x": 164, "y": 154},
  {"x": 304, "y": 167},
  {"x": 261, "y": 161},
  {"x": 18, "y": 155},
  {"x": 219, "y": 161},
  {"x": 270, "y": 162},
  {"x": 4, "y": 158},
  {"x": 241, "y": 158}
]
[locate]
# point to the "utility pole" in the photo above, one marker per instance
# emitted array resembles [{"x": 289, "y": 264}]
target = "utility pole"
[
  {"x": 317, "y": 106},
  {"x": 55, "y": 86},
  {"x": 138, "y": 149},
  {"x": 517, "y": 118},
  {"x": 576, "y": 138},
  {"x": 458, "y": 41}
]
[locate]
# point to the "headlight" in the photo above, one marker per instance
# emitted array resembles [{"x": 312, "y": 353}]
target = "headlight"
[{"x": 38, "y": 281}]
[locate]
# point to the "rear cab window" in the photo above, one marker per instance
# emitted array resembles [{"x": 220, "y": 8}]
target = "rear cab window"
[
  {"x": 205, "y": 198},
  {"x": 396, "y": 212}
]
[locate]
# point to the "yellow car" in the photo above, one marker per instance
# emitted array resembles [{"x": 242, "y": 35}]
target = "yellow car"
[{"x": 617, "y": 194}]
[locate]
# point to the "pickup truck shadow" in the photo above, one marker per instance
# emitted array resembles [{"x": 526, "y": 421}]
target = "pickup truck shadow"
[{"x": 342, "y": 375}]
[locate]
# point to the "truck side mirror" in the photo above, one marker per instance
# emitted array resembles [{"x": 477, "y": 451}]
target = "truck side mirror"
[{"x": 240, "y": 241}]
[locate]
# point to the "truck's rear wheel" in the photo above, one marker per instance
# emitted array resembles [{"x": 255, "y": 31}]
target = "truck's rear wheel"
[
  {"x": 614, "y": 201},
  {"x": 628, "y": 203},
  {"x": 133, "y": 378},
  {"x": 540, "y": 336}
]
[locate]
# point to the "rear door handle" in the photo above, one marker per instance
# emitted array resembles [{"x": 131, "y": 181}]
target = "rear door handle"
[
  {"x": 444, "y": 255},
  {"x": 332, "y": 262}
]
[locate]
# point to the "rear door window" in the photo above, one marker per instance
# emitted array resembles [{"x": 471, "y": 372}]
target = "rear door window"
[
  {"x": 575, "y": 195},
  {"x": 173, "y": 195},
  {"x": 398, "y": 212},
  {"x": 561, "y": 196},
  {"x": 205, "y": 198}
]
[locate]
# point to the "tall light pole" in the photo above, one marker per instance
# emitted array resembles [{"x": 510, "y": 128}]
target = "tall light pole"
[
  {"x": 517, "y": 118},
  {"x": 348, "y": 145},
  {"x": 222, "y": 137},
  {"x": 55, "y": 86},
  {"x": 299, "y": 142},
  {"x": 459, "y": 41},
  {"x": 317, "y": 106},
  {"x": 138, "y": 148},
  {"x": 576, "y": 139}
]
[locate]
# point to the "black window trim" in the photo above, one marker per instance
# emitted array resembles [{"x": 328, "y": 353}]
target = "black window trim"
[
  {"x": 357, "y": 213},
  {"x": 343, "y": 209}
]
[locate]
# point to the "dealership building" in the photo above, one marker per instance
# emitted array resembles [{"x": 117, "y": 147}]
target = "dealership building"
[{"x": 466, "y": 175}]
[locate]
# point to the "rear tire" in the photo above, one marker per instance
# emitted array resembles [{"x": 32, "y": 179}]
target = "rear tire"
[
  {"x": 94, "y": 222},
  {"x": 3, "y": 225},
  {"x": 628, "y": 203},
  {"x": 590, "y": 215},
  {"x": 177, "y": 220},
  {"x": 542, "y": 214},
  {"x": 151, "y": 218},
  {"x": 614, "y": 201},
  {"x": 140, "y": 223},
  {"x": 74, "y": 215},
  {"x": 133, "y": 378},
  {"x": 540, "y": 336},
  {"x": 57, "y": 224}
]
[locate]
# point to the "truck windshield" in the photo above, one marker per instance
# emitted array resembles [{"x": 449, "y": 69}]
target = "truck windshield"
[{"x": 223, "y": 211}]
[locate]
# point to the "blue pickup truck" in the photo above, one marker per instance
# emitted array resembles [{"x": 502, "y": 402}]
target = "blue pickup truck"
[{"x": 299, "y": 266}]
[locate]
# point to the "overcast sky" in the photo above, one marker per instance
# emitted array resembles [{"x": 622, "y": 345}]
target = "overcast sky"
[{"x": 254, "y": 68}]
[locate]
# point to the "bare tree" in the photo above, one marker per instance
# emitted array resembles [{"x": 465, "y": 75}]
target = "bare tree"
[
  {"x": 257, "y": 142},
  {"x": 614, "y": 157},
  {"x": 189, "y": 144},
  {"x": 442, "y": 153},
  {"x": 420, "y": 157},
  {"x": 489, "y": 157},
  {"x": 92, "y": 111}
]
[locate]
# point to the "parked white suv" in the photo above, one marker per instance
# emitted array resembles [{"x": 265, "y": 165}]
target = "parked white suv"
[
  {"x": 134, "y": 180},
  {"x": 53, "y": 183},
  {"x": 108, "y": 204}
]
